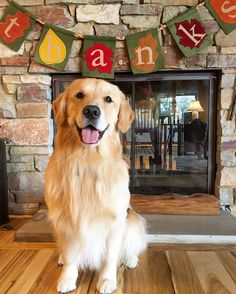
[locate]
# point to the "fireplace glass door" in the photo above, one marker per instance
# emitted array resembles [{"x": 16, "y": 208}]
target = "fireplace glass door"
[{"x": 171, "y": 144}]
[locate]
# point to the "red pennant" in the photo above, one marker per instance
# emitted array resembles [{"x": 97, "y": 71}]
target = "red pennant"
[
  {"x": 99, "y": 57},
  {"x": 14, "y": 26},
  {"x": 192, "y": 34}
]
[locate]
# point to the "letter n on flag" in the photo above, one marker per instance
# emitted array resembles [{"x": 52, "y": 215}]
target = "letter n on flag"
[
  {"x": 189, "y": 33},
  {"x": 15, "y": 25},
  {"x": 144, "y": 52},
  {"x": 54, "y": 47},
  {"x": 224, "y": 12},
  {"x": 98, "y": 57}
]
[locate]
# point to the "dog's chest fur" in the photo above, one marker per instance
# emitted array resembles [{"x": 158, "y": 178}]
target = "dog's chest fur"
[{"x": 88, "y": 187}]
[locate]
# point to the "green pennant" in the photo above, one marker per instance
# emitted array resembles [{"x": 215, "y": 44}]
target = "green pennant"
[
  {"x": 189, "y": 33},
  {"x": 224, "y": 12},
  {"x": 99, "y": 57},
  {"x": 15, "y": 25},
  {"x": 54, "y": 47},
  {"x": 144, "y": 52}
]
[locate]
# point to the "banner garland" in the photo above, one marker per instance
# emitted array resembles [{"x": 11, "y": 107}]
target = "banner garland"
[{"x": 144, "y": 47}]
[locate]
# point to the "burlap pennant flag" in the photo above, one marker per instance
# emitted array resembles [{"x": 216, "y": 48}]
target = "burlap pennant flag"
[
  {"x": 98, "y": 57},
  {"x": 15, "y": 25},
  {"x": 224, "y": 12},
  {"x": 144, "y": 52},
  {"x": 54, "y": 47},
  {"x": 189, "y": 33}
]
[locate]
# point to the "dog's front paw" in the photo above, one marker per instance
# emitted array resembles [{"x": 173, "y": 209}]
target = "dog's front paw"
[
  {"x": 67, "y": 280},
  {"x": 106, "y": 286},
  {"x": 66, "y": 284},
  {"x": 131, "y": 262}
]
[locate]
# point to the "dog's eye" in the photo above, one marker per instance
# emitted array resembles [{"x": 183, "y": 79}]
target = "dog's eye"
[
  {"x": 79, "y": 95},
  {"x": 108, "y": 99}
]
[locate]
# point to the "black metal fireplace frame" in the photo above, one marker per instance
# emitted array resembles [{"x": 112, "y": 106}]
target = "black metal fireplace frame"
[
  {"x": 4, "y": 217},
  {"x": 213, "y": 76}
]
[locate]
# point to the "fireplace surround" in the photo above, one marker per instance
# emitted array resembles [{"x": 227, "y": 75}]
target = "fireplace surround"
[{"x": 26, "y": 92}]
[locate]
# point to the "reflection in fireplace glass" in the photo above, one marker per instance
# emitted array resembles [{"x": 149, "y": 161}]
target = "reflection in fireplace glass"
[{"x": 168, "y": 145}]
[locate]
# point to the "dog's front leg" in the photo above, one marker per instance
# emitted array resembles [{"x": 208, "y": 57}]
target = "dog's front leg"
[
  {"x": 67, "y": 280},
  {"x": 107, "y": 282}
]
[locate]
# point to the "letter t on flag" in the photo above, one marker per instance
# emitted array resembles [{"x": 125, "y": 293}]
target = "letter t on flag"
[
  {"x": 98, "y": 57},
  {"x": 189, "y": 33},
  {"x": 15, "y": 25}
]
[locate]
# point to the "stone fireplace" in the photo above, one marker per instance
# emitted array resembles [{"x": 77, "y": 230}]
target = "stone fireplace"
[{"x": 26, "y": 87}]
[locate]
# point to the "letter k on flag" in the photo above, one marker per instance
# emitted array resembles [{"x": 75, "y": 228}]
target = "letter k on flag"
[{"x": 189, "y": 33}]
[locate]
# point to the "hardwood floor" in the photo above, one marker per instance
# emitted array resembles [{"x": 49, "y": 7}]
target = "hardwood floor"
[{"x": 32, "y": 268}]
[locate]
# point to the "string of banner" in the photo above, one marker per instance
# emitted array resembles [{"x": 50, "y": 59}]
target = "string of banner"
[{"x": 98, "y": 60}]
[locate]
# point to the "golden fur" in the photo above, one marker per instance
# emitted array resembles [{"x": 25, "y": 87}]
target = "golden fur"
[{"x": 86, "y": 188}]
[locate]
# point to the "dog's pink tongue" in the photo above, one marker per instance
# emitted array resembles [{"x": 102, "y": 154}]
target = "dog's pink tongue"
[{"x": 90, "y": 136}]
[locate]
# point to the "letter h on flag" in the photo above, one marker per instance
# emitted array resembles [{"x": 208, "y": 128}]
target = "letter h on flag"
[
  {"x": 54, "y": 47},
  {"x": 189, "y": 33},
  {"x": 15, "y": 25},
  {"x": 98, "y": 57}
]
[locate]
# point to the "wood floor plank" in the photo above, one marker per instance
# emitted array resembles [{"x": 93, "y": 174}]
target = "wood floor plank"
[
  {"x": 192, "y": 247},
  {"x": 229, "y": 262},
  {"x": 11, "y": 273},
  {"x": 6, "y": 238},
  {"x": 151, "y": 276},
  {"x": 47, "y": 280},
  {"x": 31, "y": 272},
  {"x": 183, "y": 274},
  {"x": 211, "y": 273},
  {"x": 6, "y": 256},
  {"x": 93, "y": 282},
  {"x": 83, "y": 282}
]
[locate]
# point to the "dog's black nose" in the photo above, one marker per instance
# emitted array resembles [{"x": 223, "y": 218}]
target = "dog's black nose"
[{"x": 91, "y": 112}]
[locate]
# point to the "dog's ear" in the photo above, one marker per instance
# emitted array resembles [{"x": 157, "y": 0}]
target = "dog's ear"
[
  {"x": 59, "y": 109},
  {"x": 126, "y": 115}
]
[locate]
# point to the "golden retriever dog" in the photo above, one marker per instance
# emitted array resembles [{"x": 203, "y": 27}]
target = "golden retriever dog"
[{"x": 87, "y": 185}]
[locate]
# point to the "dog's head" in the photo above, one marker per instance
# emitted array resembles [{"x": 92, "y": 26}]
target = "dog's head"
[{"x": 92, "y": 108}]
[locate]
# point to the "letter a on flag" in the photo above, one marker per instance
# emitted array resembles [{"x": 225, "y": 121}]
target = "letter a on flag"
[
  {"x": 224, "y": 12},
  {"x": 98, "y": 57},
  {"x": 189, "y": 33},
  {"x": 54, "y": 47},
  {"x": 144, "y": 52},
  {"x": 15, "y": 25}
]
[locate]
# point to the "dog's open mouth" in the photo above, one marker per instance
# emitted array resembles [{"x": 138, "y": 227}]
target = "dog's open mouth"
[{"x": 90, "y": 135}]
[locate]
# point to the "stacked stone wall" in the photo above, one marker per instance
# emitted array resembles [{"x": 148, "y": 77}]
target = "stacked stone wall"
[{"x": 25, "y": 86}]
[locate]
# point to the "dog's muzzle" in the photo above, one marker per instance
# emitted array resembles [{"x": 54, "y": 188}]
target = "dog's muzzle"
[{"x": 91, "y": 133}]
